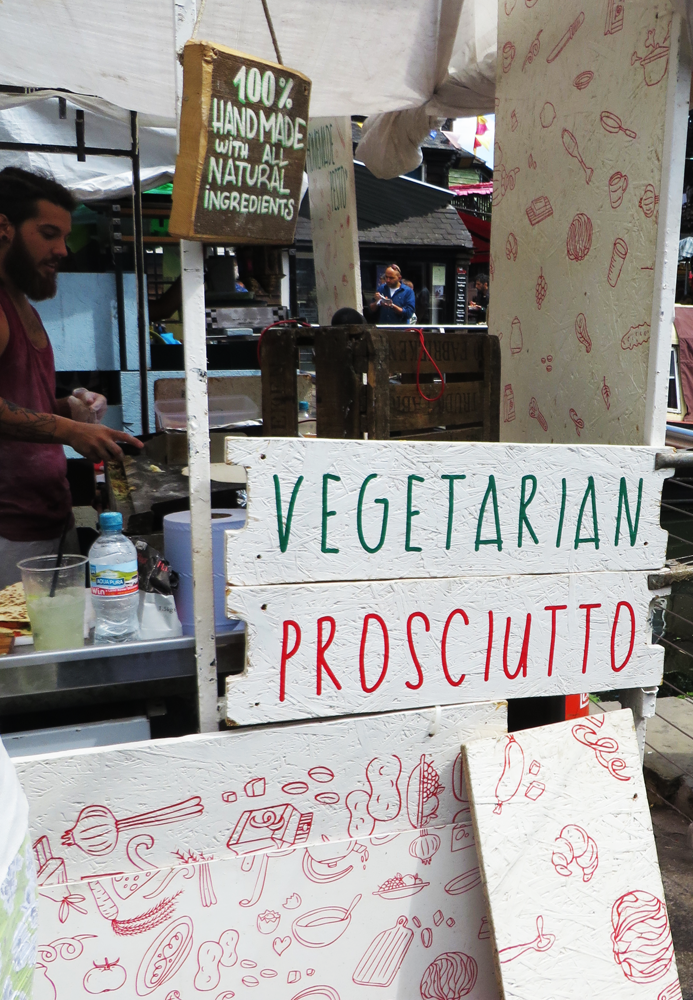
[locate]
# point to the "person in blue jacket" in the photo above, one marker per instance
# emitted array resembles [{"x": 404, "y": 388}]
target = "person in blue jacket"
[{"x": 394, "y": 302}]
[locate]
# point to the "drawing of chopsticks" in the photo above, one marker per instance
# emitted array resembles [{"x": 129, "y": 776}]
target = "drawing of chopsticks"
[{"x": 570, "y": 33}]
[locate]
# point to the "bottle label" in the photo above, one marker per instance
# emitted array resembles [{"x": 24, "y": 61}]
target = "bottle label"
[{"x": 112, "y": 581}]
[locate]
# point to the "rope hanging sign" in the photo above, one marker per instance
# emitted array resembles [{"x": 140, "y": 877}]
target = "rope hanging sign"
[{"x": 242, "y": 148}]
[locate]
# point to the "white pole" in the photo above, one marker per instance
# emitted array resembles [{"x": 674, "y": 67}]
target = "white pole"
[{"x": 195, "y": 352}]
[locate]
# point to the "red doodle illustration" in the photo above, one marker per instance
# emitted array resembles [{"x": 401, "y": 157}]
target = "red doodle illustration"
[
  {"x": 268, "y": 921},
  {"x": 603, "y": 746},
  {"x": 614, "y": 17},
  {"x": 509, "y": 7},
  {"x": 438, "y": 918},
  {"x": 512, "y": 773},
  {"x": 49, "y": 870},
  {"x": 464, "y": 883},
  {"x": 383, "y": 957},
  {"x": 67, "y": 949},
  {"x": 269, "y": 828},
  {"x": 228, "y": 796},
  {"x": 514, "y": 122},
  {"x": 382, "y": 775},
  {"x": 636, "y": 336},
  {"x": 503, "y": 179},
  {"x": 295, "y": 788},
  {"x": 574, "y": 845},
  {"x": 208, "y": 975},
  {"x": 322, "y": 775},
  {"x": 416, "y": 922},
  {"x": 515, "y": 336},
  {"x": 649, "y": 201},
  {"x": 255, "y": 788},
  {"x": 534, "y": 767},
  {"x": 567, "y": 37},
  {"x": 606, "y": 393},
  {"x": 247, "y": 865},
  {"x": 533, "y": 51},
  {"x": 491, "y": 266},
  {"x": 547, "y": 115},
  {"x": 583, "y": 80},
  {"x": 140, "y": 842},
  {"x": 655, "y": 62},
  {"x": 401, "y": 886},
  {"x": 579, "y": 239},
  {"x": 279, "y": 945},
  {"x": 484, "y": 930},
  {"x": 458, "y": 785},
  {"x": 534, "y": 790},
  {"x": 322, "y": 927},
  {"x": 424, "y": 847},
  {"x": 106, "y": 978},
  {"x": 581, "y": 332},
  {"x": 462, "y": 834},
  {"x": 43, "y": 985},
  {"x": 96, "y": 830},
  {"x": 542, "y": 942},
  {"x": 508, "y": 56},
  {"x": 326, "y": 862},
  {"x": 250, "y": 981},
  {"x": 165, "y": 956},
  {"x": 511, "y": 247},
  {"x": 361, "y": 823},
  {"x": 570, "y": 145},
  {"x": 671, "y": 992},
  {"x": 538, "y": 210},
  {"x": 127, "y": 885},
  {"x": 618, "y": 185},
  {"x": 450, "y": 976},
  {"x": 423, "y": 789},
  {"x": 67, "y": 901},
  {"x": 612, "y": 123},
  {"x": 536, "y": 414},
  {"x": 292, "y": 902},
  {"x": 578, "y": 421},
  {"x": 508, "y": 404},
  {"x": 541, "y": 288},
  {"x": 548, "y": 362},
  {"x": 207, "y": 894},
  {"x": 618, "y": 256},
  {"x": 427, "y": 937},
  {"x": 531, "y": 162},
  {"x": 450, "y": 922},
  {"x": 317, "y": 992},
  {"x": 248, "y": 963},
  {"x": 641, "y": 937},
  {"x": 175, "y": 995},
  {"x": 327, "y": 798},
  {"x": 140, "y": 924}
]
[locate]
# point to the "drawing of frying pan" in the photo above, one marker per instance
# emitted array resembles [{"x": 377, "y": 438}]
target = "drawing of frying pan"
[{"x": 612, "y": 123}]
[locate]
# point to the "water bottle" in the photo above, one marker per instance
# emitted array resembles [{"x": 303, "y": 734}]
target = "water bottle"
[{"x": 113, "y": 571}]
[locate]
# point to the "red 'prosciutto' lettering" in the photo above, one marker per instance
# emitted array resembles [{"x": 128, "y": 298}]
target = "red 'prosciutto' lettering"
[
  {"x": 386, "y": 653},
  {"x": 287, "y": 654},
  {"x": 522, "y": 662},
  {"x": 322, "y": 663},
  {"x": 489, "y": 648},
  {"x": 410, "y": 640},
  {"x": 588, "y": 613},
  {"x": 444, "y": 647},
  {"x": 622, "y": 604},
  {"x": 553, "y": 608}
]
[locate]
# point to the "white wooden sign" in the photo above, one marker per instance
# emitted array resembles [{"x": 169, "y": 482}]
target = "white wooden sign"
[
  {"x": 369, "y": 510},
  {"x": 216, "y": 865},
  {"x": 328, "y": 649},
  {"x": 569, "y": 863}
]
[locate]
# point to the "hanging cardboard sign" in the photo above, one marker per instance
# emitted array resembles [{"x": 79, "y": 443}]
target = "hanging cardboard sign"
[{"x": 242, "y": 148}]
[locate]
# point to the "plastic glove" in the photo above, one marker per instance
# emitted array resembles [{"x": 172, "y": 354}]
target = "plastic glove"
[{"x": 87, "y": 407}]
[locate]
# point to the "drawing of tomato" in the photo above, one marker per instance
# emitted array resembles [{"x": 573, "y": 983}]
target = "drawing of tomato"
[{"x": 106, "y": 978}]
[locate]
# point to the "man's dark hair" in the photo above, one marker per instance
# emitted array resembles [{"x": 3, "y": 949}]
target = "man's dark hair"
[
  {"x": 483, "y": 278},
  {"x": 347, "y": 317},
  {"x": 20, "y": 190}
]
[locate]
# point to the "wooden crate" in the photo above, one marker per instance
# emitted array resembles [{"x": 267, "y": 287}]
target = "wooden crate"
[{"x": 366, "y": 383}]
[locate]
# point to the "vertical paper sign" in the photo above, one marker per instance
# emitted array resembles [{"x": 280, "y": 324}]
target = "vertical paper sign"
[
  {"x": 242, "y": 148},
  {"x": 330, "y": 166}
]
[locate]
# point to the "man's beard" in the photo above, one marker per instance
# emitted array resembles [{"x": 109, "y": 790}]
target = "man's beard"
[{"x": 21, "y": 269}]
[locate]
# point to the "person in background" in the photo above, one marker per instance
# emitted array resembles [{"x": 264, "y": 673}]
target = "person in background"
[
  {"x": 347, "y": 317},
  {"x": 394, "y": 302},
  {"x": 479, "y": 305},
  {"x": 35, "y": 502},
  {"x": 410, "y": 284}
]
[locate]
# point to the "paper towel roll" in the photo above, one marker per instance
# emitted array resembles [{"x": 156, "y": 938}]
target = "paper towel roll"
[{"x": 178, "y": 552}]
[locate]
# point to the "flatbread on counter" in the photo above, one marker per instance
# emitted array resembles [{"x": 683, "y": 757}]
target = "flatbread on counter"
[{"x": 13, "y": 609}]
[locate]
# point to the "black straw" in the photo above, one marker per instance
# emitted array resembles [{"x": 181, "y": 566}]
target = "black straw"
[{"x": 59, "y": 557}]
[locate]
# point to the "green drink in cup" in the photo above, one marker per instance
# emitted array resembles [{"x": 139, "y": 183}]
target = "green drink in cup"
[{"x": 55, "y": 600}]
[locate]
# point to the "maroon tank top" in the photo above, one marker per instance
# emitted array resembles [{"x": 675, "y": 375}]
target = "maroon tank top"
[{"x": 34, "y": 493}]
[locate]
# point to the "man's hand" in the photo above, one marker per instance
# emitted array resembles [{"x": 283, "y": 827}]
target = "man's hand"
[{"x": 98, "y": 443}]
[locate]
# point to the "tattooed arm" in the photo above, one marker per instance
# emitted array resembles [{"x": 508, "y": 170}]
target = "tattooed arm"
[{"x": 95, "y": 442}]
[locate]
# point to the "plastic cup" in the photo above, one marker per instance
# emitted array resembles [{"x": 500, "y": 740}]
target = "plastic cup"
[{"x": 57, "y": 622}]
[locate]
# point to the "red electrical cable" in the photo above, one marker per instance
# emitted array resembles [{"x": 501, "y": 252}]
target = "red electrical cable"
[
  {"x": 279, "y": 322},
  {"x": 424, "y": 350}
]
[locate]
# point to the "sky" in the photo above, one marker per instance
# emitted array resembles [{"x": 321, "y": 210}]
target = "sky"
[{"x": 465, "y": 128}]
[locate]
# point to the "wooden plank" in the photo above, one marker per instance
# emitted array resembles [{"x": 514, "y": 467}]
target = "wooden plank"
[
  {"x": 461, "y": 403},
  {"x": 452, "y": 352},
  {"x": 472, "y": 433},
  {"x": 339, "y": 385},
  {"x": 492, "y": 388},
  {"x": 333, "y": 648},
  {"x": 278, "y": 363},
  {"x": 570, "y": 521},
  {"x": 569, "y": 801},
  {"x": 378, "y": 385}
]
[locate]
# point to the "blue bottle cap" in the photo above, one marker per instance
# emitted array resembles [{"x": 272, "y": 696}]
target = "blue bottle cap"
[{"x": 111, "y": 520}]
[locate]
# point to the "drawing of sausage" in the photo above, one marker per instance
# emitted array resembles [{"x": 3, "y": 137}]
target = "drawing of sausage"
[{"x": 512, "y": 773}]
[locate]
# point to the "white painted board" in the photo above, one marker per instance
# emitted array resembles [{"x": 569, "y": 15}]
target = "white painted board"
[
  {"x": 355, "y": 510},
  {"x": 330, "y": 649},
  {"x": 249, "y": 848},
  {"x": 569, "y": 862}
]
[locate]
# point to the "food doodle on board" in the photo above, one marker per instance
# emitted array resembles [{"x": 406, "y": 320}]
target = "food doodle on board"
[
  {"x": 511, "y": 776},
  {"x": 67, "y": 901},
  {"x": 587, "y": 733},
  {"x": 567, "y": 37},
  {"x": 614, "y": 17},
  {"x": 462, "y": 833},
  {"x": 671, "y": 992},
  {"x": 43, "y": 984},
  {"x": 279, "y": 945},
  {"x": 514, "y": 121},
  {"x": 323, "y": 926},
  {"x": 533, "y": 51},
  {"x": 384, "y": 800},
  {"x": 268, "y": 921},
  {"x": 491, "y": 266},
  {"x": 458, "y": 783},
  {"x": 327, "y": 798},
  {"x": 269, "y": 828},
  {"x": 140, "y": 842},
  {"x": 538, "y": 210},
  {"x": 536, "y": 414},
  {"x": 106, "y": 978},
  {"x": 326, "y": 861},
  {"x": 540, "y": 289},
  {"x": 139, "y": 924},
  {"x": 165, "y": 956},
  {"x": 548, "y": 362},
  {"x": 211, "y": 955},
  {"x": 578, "y": 421},
  {"x": 295, "y": 788},
  {"x": 655, "y": 62},
  {"x": 509, "y": 7},
  {"x": 226, "y": 995},
  {"x": 648, "y": 201},
  {"x": 228, "y": 797},
  {"x": 67, "y": 948},
  {"x": 534, "y": 790},
  {"x": 425, "y": 846},
  {"x": 511, "y": 247},
  {"x": 635, "y": 336},
  {"x": 321, "y": 774},
  {"x": 207, "y": 895},
  {"x": 641, "y": 937},
  {"x": 503, "y": 179},
  {"x": 49, "y": 870},
  {"x": 574, "y": 845},
  {"x": 508, "y": 404},
  {"x": 426, "y": 937},
  {"x": 570, "y": 144},
  {"x": 606, "y": 393},
  {"x": 547, "y": 115},
  {"x": 423, "y": 789},
  {"x": 583, "y": 80},
  {"x": 516, "y": 339},
  {"x": 531, "y": 162},
  {"x": 581, "y": 332},
  {"x": 613, "y": 124},
  {"x": 618, "y": 257},
  {"x": 464, "y": 883},
  {"x": 255, "y": 788},
  {"x": 450, "y": 976},
  {"x": 542, "y": 942},
  {"x": 618, "y": 185},
  {"x": 292, "y": 902},
  {"x": 96, "y": 830},
  {"x": 579, "y": 238},
  {"x": 484, "y": 930},
  {"x": 384, "y": 955},
  {"x": 400, "y": 886},
  {"x": 317, "y": 993},
  {"x": 361, "y": 823},
  {"x": 507, "y": 56}
]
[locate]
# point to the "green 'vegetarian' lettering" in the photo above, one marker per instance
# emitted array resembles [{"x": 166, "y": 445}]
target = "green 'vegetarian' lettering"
[
  {"x": 411, "y": 513},
  {"x": 623, "y": 503},
  {"x": 325, "y": 512},
  {"x": 594, "y": 538},
  {"x": 497, "y": 541},
  {"x": 524, "y": 504},
  {"x": 359, "y": 516},
  {"x": 285, "y": 530},
  {"x": 451, "y": 505},
  {"x": 559, "y": 533}
]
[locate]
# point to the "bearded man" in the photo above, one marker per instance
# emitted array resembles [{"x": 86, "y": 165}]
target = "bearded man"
[{"x": 35, "y": 504}]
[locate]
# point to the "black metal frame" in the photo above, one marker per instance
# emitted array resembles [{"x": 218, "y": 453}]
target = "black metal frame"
[{"x": 81, "y": 151}]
